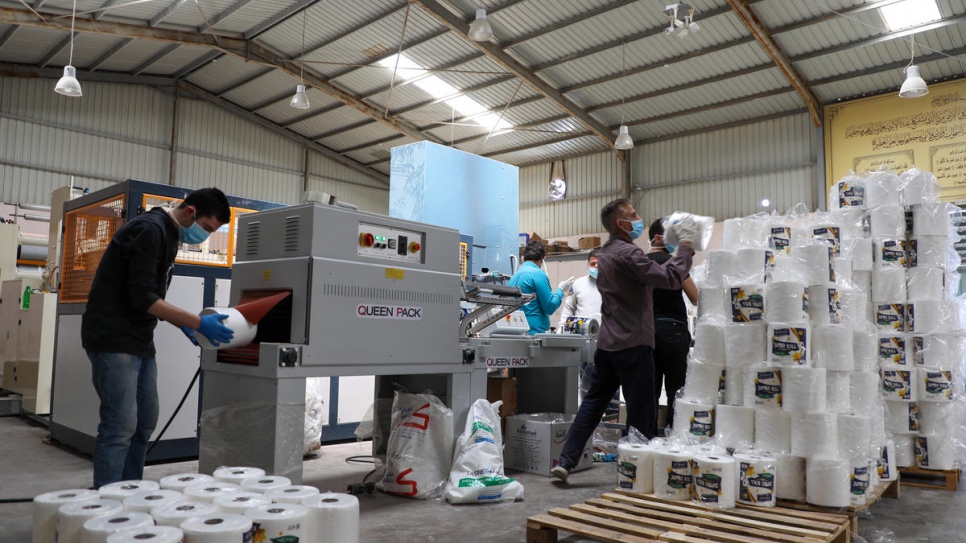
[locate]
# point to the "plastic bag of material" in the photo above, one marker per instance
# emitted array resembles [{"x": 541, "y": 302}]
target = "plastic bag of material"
[
  {"x": 477, "y": 474},
  {"x": 420, "y": 449},
  {"x": 705, "y": 229},
  {"x": 314, "y": 414}
]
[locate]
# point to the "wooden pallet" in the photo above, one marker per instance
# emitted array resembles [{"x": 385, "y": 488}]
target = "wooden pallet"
[
  {"x": 626, "y": 517},
  {"x": 886, "y": 489},
  {"x": 927, "y": 478}
]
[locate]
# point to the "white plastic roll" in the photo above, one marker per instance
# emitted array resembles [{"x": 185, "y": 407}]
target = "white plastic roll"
[
  {"x": 763, "y": 387},
  {"x": 932, "y": 350},
  {"x": 788, "y": 344},
  {"x": 773, "y": 431},
  {"x": 236, "y": 475},
  {"x": 829, "y": 233},
  {"x": 279, "y": 520},
  {"x": 804, "y": 390},
  {"x": 148, "y": 500},
  {"x": 890, "y": 253},
  {"x": 860, "y": 481},
  {"x": 714, "y": 302},
  {"x": 265, "y": 483},
  {"x": 887, "y": 222},
  {"x": 816, "y": 263},
  {"x": 709, "y": 342},
  {"x": 693, "y": 418},
  {"x": 814, "y": 434},
  {"x": 889, "y": 317},
  {"x": 940, "y": 418},
  {"x": 744, "y": 344},
  {"x": 334, "y": 518},
  {"x": 824, "y": 306},
  {"x": 72, "y": 516},
  {"x": 851, "y": 221},
  {"x": 673, "y": 474},
  {"x": 787, "y": 268},
  {"x": 936, "y": 384},
  {"x": 217, "y": 528},
  {"x": 734, "y": 385},
  {"x": 173, "y": 514},
  {"x": 714, "y": 481},
  {"x": 744, "y": 232},
  {"x": 925, "y": 284},
  {"x": 860, "y": 250},
  {"x": 881, "y": 189},
  {"x": 734, "y": 426},
  {"x": 785, "y": 302},
  {"x": 291, "y": 494},
  {"x": 244, "y": 331},
  {"x": 902, "y": 417},
  {"x": 905, "y": 450},
  {"x": 207, "y": 492},
  {"x": 918, "y": 186},
  {"x": 790, "y": 480},
  {"x": 98, "y": 529},
  {"x": 865, "y": 349},
  {"x": 45, "y": 508},
  {"x": 635, "y": 467},
  {"x": 239, "y": 502},
  {"x": 837, "y": 391},
  {"x": 933, "y": 219},
  {"x": 123, "y": 489},
  {"x": 864, "y": 391},
  {"x": 930, "y": 251},
  {"x": 862, "y": 280},
  {"x": 888, "y": 471},
  {"x": 937, "y": 452},
  {"x": 151, "y": 534},
  {"x": 899, "y": 383},
  {"x": 756, "y": 476},
  {"x": 182, "y": 481},
  {"x": 752, "y": 265},
  {"x": 895, "y": 348},
  {"x": 843, "y": 270},
  {"x": 702, "y": 382},
  {"x": 926, "y": 317},
  {"x": 888, "y": 284},
  {"x": 829, "y": 482},
  {"x": 832, "y": 347},
  {"x": 780, "y": 238},
  {"x": 748, "y": 303},
  {"x": 854, "y": 305},
  {"x": 854, "y": 436},
  {"x": 721, "y": 265}
]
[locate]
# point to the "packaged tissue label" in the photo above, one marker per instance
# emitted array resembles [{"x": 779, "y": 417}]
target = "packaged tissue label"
[
  {"x": 922, "y": 451},
  {"x": 893, "y": 253},
  {"x": 768, "y": 386},
  {"x": 882, "y": 463},
  {"x": 769, "y": 265},
  {"x": 918, "y": 346},
  {"x": 701, "y": 423},
  {"x": 938, "y": 384},
  {"x": 747, "y": 305},
  {"x": 707, "y": 487},
  {"x": 755, "y": 487},
  {"x": 860, "y": 480},
  {"x": 890, "y": 316},
  {"x": 834, "y": 306},
  {"x": 851, "y": 195},
  {"x": 897, "y": 382},
  {"x": 780, "y": 239},
  {"x": 790, "y": 344},
  {"x": 679, "y": 475},
  {"x": 893, "y": 349},
  {"x": 832, "y": 235},
  {"x": 626, "y": 474}
]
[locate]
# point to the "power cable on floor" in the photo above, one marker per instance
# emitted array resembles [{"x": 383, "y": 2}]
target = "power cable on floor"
[{"x": 176, "y": 410}]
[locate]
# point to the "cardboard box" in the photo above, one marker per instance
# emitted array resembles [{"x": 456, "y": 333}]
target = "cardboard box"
[
  {"x": 533, "y": 442},
  {"x": 503, "y": 389},
  {"x": 589, "y": 242}
]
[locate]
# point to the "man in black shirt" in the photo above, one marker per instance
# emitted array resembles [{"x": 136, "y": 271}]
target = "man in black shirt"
[
  {"x": 672, "y": 340},
  {"x": 123, "y": 308}
]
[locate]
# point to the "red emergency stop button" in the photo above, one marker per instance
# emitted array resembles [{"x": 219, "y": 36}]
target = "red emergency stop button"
[
  {"x": 413, "y": 247},
  {"x": 366, "y": 240}
]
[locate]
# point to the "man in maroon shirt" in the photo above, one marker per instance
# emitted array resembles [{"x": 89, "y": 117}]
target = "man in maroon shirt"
[{"x": 625, "y": 342}]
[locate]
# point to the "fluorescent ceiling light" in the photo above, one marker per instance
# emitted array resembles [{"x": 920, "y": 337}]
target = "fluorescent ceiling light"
[
  {"x": 437, "y": 88},
  {"x": 910, "y": 13}
]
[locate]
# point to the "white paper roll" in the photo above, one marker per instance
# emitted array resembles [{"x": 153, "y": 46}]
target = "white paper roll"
[
  {"x": 816, "y": 263},
  {"x": 849, "y": 192},
  {"x": 925, "y": 284},
  {"x": 334, "y": 518},
  {"x": 790, "y": 479},
  {"x": 899, "y": 383},
  {"x": 860, "y": 481},
  {"x": 291, "y": 494},
  {"x": 937, "y": 384},
  {"x": 881, "y": 189},
  {"x": 693, "y": 418},
  {"x": 902, "y": 417},
  {"x": 72, "y": 516},
  {"x": 930, "y": 251},
  {"x": 890, "y": 253},
  {"x": 265, "y": 483},
  {"x": 928, "y": 317},
  {"x": 182, "y": 481},
  {"x": 864, "y": 391},
  {"x": 829, "y": 233},
  {"x": 123, "y": 489},
  {"x": 173, "y": 514},
  {"x": 854, "y": 436},
  {"x": 744, "y": 232},
  {"x": 703, "y": 381},
  {"x": 814, "y": 434},
  {"x": 854, "y": 306},
  {"x": 865, "y": 349},
  {"x": 895, "y": 348},
  {"x": 887, "y": 222},
  {"x": 144, "y": 502},
  {"x": 714, "y": 302},
  {"x": 905, "y": 450},
  {"x": 936, "y": 452},
  {"x": 763, "y": 387},
  {"x": 236, "y": 475},
  {"x": 744, "y": 344},
  {"x": 940, "y": 418},
  {"x": 748, "y": 303},
  {"x": 208, "y": 491},
  {"x": 734, "y": 385},
  {"x": 721, "y": 265},
  {"x": 890, "y": 317},
  {"x": 887, "y": 462},
  {"x": 244, "y": 331},
  {"x": 837, "y": 391},
  {"x": 804, "y": 390},
  {"x": 734, "y": 426},
  {"x": 673, "y": 474},
  {"x": 832, "y": 347},
  {"x": 932, "y": 350},
  {"x": 45, "y": 508},
  {"x": 753, "y": 265},
  {"x": 239, "y": 502},
  {"x": 788, "y": 345},
  {"x": 217, "y": 528},
  {"x": 888, "y": 284},
  {"x": 756, "y": 476},
  {"x": 279, "y": 520},
  {"x": 933, "y": 219},
  {"x": 151, "y": 534},
  {"x": 862, "y": 280},
  {"x": 773, "y": 431},
  {"x": 786, "y": 269},
  {"x": 829, "y": 482},
  {"x": 635, "y": 467},
  {"x": 780, "y": 238},
  {"x": 785, "y": 302},
  {"x": 824, "y": 306},
  {"x": 709, "y": 342},
  {"x": 714, "y": 481},
  {"x": 843, "y": 271},
  {"x": 860, "y": 251},
  {"x": 851, "y": 221},
  {"x": 918, "y": 186},
  {"x": 98, "y": 529}
]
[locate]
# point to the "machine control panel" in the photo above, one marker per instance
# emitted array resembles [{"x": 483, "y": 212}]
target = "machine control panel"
[{"x": 390, "y": 243}]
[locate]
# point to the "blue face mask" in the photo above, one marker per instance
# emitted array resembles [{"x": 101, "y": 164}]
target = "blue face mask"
[
  {"x": 637, "y": 228},
  {"x": 670, "y": 248},
  {"x": 592, "y": 272},
  {"x": 194, "y": 234}
]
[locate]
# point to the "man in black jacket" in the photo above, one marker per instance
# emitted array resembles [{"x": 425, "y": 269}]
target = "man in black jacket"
[{"x": 123, "y": 308}]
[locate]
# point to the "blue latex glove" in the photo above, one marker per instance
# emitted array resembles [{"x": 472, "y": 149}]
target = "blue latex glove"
[
  {"x": 212, "y": 328},
  {"x": 190, "y": 335}
]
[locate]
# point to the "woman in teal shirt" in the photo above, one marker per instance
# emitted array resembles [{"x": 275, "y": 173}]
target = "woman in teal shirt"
[{"x": 531, "y": 279}]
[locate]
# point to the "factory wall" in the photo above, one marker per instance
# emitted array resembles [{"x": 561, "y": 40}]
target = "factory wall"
[{"x": 117, "y": 132}]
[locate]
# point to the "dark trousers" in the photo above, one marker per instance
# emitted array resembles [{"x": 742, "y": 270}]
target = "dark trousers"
[
  {"x": 672, "y": 342},
  {"x": 632, "y": 369}
]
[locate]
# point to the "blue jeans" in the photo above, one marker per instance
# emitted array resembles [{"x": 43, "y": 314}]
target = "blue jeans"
[
  {"x": 632, "y": 369},
  {"x": 128, "y": 388}
]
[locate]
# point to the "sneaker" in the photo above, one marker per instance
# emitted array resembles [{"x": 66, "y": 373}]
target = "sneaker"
[{"x": 560, "y": 472}]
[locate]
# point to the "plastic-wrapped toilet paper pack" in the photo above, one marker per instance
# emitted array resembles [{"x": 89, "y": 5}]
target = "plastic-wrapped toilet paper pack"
[
  {"x": 890, "y": 253},
  {"x": 815, "y": 263},
  {"x": 763, "y": 387},
  {"x": 244, "y": 331},
  {"x": 865, "y": 349},
  {"x": 773, "y": 431},
  {"x": 236, "y": 474},
  {"x": 936, "y": 384},
  {"x": 828, "y": 233},
  {"x": 932, "y": 251},
  {"x": 899, "y": 383},
  {"x": 173, "y": 514},
  {"x": 940, "y": 418},
  {"x": 745, "y": 344},
  {"x": 152, "y": 534},
  {"x": 902, "y": 417},
  {"x": 905, "y": 450},
  {"x": 925, "y": 284},
  {"x": 829, "y": 482},
  {"x": 635, "y": 467},
  {"x": 780, "y": 238},
  {"x": 703, "y": 382},
  {"x": 239, "y": 502},
  {"x": 278, "y": 521},
  {"x": 786, "y": 302},
  {"x": 889, "y": 317},
  {"x": 917, "y": 186},
  {"x": 217, "y": 528},
  {"x": 72, "y": 516},
  {"x": 837, "y": 391},
  {"x": 814, "y": 434},
  {"x": 887, "y": 222},
  {"x": 291, "y": 494},
  {"x": 859, "y": 481},
  {"x": 860, "y": 251},
  {"x": 928, "y": 317},
  {"x": 709, "y": 342},
  {"x": 932, "y": 350},
  {"x": 854, "y": 305},
  {"x": 705, "y": 227},
  {"x": 848, "y": 192},
  {"x": 824, "y": 306},
  {"x": 734, "y": 385},
  {"x": 804, "y": 390},
  {"x": 937, "y": 452},
  {"x": 721, "y": 266},
  {"x": 864, "y": 391},
  {"x": 851, "y": 221},
  {"x": 207, "y": 492},
  {"x": 888, "y": 284},
  {"x": 98, "y": 529},
  {"x": 145, "y": 501},
  {"x": 788, "y": 345},
  {"x": 862, "y": 280},
  {"x": 748, "y": 303},
  {"x": 888, "y": 471},
  {"x": 673, "y": 474},
  {"x": 713, "y": 482},
  {"x": 753, "y": 265},
  {"x": 45, "y": 507},
  {"x": 123, "y": 489},
  {"x": 693, "y": 418},
  {"x": 734, "y": 426},
  {"x": 895, "y": 348},
  {"x": 882, "y": 188},
  {"x": 714, "y": 302},
  {"x": 790, "y": 482},
  {"x": 744, "y": 232},
  {"x": 843, "y": 270},
  {"x": 935, "y": 219},
  {"x": 332, "y": 518},
  {"x": 181, "y": 481},
  {"x": 854, "y": 435},
  {"x": 756, "y": 476},
  {"x": 832, "y": 347},
  {"x": 786, "y": 269}
]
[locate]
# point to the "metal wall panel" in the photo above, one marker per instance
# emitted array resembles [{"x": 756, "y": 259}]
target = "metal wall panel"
[
  {"x": 237, "y": 179},
  {"x": 372, "y": 199}
]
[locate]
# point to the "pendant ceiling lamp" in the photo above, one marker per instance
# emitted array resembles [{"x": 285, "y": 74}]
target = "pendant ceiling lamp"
[
  {"x": 68, "y": 84},
  {"x": 623, "y": 141},
  {"x": 301, "y": 100},
  {"x": 914, "y": 86},
  {"x": 480, "y": 29}
]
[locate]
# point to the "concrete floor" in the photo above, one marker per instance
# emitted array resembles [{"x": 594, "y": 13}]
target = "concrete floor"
[{"x": 29, "y": 467}]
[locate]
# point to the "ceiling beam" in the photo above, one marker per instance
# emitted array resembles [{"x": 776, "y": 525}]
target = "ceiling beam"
[
  {"x": 778, "y": 56},
  {"x": 165, "y": 13},
  {"x": 107, "y": 4},
  {"x": 231, "y": 10},
  {"x": 501, "y": 57},
  {"x": 154, "y": 58},
  {"x": 36, "y": 72},
  {"x": 205, "y": 59},
  {"x": 121, "y": 44},
  {"x": 56, "y": 50},
  {"x": 279, "y": 18}
]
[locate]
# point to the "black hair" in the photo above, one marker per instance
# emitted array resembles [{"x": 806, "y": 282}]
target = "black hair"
[
  {"x": 209, "y": 202},
  {"x": 609, "y": 213},
  {"x": 534, "y": 252},
  {"x": 656, "y": 228},
  {"x": 593, "y": 253}
]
